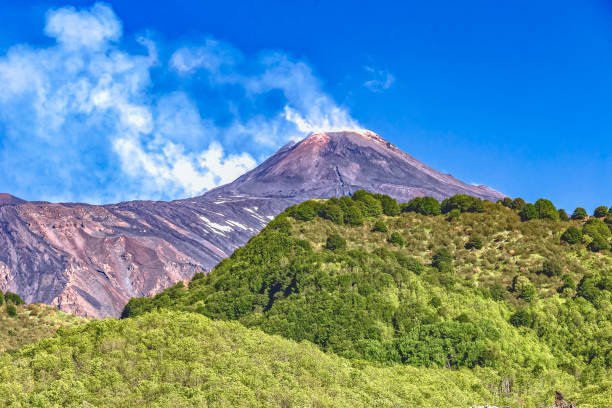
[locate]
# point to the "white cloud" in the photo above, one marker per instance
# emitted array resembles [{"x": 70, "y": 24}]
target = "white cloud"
[
  {"x": 381, "y": 80},
  {"x": 82, "y": 119}
]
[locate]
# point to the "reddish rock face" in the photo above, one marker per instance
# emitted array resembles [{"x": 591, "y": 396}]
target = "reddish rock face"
[{"x": 89, "y": 260}]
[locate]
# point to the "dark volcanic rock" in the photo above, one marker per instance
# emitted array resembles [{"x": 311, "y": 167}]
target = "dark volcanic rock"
[{"x": 90, "y": 260}]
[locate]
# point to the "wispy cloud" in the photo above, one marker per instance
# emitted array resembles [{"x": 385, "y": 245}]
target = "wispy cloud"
[
  {"x": 381, "y": 80},
  {"x": 84, "y": 119}
]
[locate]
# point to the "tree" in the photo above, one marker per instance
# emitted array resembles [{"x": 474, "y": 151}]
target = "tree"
[
  {"x": 546, "y": 209},
  {"x": 380, "y": 226},
  {"x": 370, "y": 206},
  {"x": 506, "y": 202},
  {"x": 572, "y": 235},
  {"x": 332, "y": 212},
  {"x": 552, "y": 267},
  {"x": 529, "y": 212},
  {"x": 523, "y": 288},
  {"x": 579, "y": 214},
  {"x": 563, "y": 215},
  {"x": 521, "y": 318},
  {"x": 13, "y": 298},
  {"x": 335, "y": 241},
  {"x": 600, "y": 211},
  {"x": 463, "y": 203},
  {"x": 396, "y": 239},
  {"x": 518, "y": 204},
  {"x": 11, "y": 309},
  {"x": 353, "y": 216},
  {"x": 390, "y": 206},
  {"x": 475, "y": 242},
  {"x": 303, "y": 212},
  {"x": 423, "y": 205},
  {"x": 599, "y": 243}
]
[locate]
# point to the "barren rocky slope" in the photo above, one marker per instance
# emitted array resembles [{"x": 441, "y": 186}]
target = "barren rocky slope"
[{"x": 89, "y": 260}]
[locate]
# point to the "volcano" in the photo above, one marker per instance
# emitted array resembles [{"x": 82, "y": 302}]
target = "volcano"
[{"x": 89, "y": 260}]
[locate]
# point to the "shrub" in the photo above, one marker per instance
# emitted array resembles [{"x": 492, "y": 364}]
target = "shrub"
[
  {"x": 594, "y": 227},
  {"x": 380, "y": 226},
  {"x": 396, "y": 239},
  {"x": 1, "y": 298},
  {"x": 552, "y": 267},
  {"x": 11, "y": 309},
  {"x": 563, "y": 215},
  {"x": 353, "y": 216},
  {"x": 546, "y": 209},
  {"x": 600, "y": 211},
  {"x": 518, "y": 204},
  {"x": 523, "y": 288},
  {"x": 579, "y": 214},
  {"x": 568, "y": 282},
  {"x": 370, "y": 206},
  {"x": 529, "y": 212},
  {"x": 423, "y": 205},
  {"x": 335, "y": 241},
  {"x": 441, "y": 258},
  {"x": 572, "y": 235},
  {"x": 608, "y": 219},
  {"x": 599, "y": 243},
  {"x": 455, "y": 213},
  {"x": 13, "y": 298},
  {"x": 521, "y": 318},
  {"x": 506, "y": 202},
  {"x": 474, "y": 242},
  {"x": 303, "y": 212}
]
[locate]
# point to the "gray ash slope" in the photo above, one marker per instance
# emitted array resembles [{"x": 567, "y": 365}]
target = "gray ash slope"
[{"x": 90, "y": 260}]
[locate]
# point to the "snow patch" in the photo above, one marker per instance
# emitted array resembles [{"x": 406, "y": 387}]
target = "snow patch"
[{"x": 218, "y": 228}]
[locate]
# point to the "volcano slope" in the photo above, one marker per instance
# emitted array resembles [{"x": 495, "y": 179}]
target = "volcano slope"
[
  {"x": 89, "y": 260},
  {"x": 474, "y": 288}
]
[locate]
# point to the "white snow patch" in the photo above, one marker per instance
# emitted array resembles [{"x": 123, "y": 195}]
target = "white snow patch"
[
  {"x": 270, "y": 217},
  {"x": 220, "y": 229},
  {"x": 239, "y": 225}
]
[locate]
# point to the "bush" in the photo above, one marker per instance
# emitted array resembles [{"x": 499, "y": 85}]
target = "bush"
[
  {"x": 303, "y": 212},
  {"x": 600, "y": 211},
  {"x": 380, "y": 226},
  {"x": 11, "y": 309},
  {"x": 518, "y": 204},
  {"x": 1, "y": 298},
  {"x": 594, "y": 227},
  {"x": 370, "y": 206},
  {"x": 608, "y": 219},
  {"x": 441, "y": 258},
  {"x": 453, "y": 214},
  {"x": 523, "y": 288},
  {"x": 13, "y": 298},
  {"x": 463, "y": 203},
  {"x": 546, "y": 209},
  {"x": 506, "y": 202},
  {"x": 529, "y": 212},
  {"x": 552, "y": 267},
  {"x": 599, "y": 243},
  {"x": 396, "y": 239},
  {"x": 353, "y": 216},
  {"x": 474, "y": 242},
  {"x": 579, "y": 214},
  {"x": 521, "y": 318},
  {"x": 563, "y": 215},
  {"x": 572, "y": 236},
  {"x": 335, "y": 241},
  {"x": 423, "y": 205}
]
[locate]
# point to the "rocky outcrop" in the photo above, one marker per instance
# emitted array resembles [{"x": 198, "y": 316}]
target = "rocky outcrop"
[{"x": 89, "y": 260}]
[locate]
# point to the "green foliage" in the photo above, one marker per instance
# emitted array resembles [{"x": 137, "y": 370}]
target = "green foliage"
[
  {"x": 572, "y": 235},
  {"x": 13, "y": 298},
  {"x": 599, "y": 243},
  {"x": 552, "y": 267},
  {"x": 423, "y": 205},
  {"x": 523, "y": 288},
  {"x": 380, "y": 226},
  {"x": 506, "y": 202},
  {"x": 396, "y": 239},
  {"x": 600, "y": 211},
  {"x": 1, "y": 298},
  {"x": 529, "y": 212},
  {"x": 475, "y": 242},
  {"x": 441, "y": 258},
  {"x": 521, "y": 318},
  {"x": 333, "y": 212},
  {"x": 579, "y": 214},
  {"x": 596, "y": 227},
  {"x": 453, "y": 214},
  {"x": 563, "y": 215},
  {"x": 335, "y": 241},
  {"x": 518, "y": 204},
  {"x": 353, "y": 216},
  {"x": 390, "y": 206},
  {"x": 546, "y": 209},
  {"x": 463, "y": 203},
  {"x": 11, "y": 309},
  {"x": 304, "y": 212},
  {"x": 370, "y": 206}
]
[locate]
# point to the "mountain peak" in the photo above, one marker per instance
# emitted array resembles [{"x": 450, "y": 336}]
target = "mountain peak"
[{"x": 7, "y": 199}]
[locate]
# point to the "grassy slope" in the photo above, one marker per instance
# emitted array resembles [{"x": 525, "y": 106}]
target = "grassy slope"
[
  {"x": 31, "y": 323},
  {"x": 176, "y": 359},
  {"x": 567, "y": 347}
]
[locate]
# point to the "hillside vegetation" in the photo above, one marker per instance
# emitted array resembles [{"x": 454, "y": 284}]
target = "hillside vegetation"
[{"x": 462, "y": 285}]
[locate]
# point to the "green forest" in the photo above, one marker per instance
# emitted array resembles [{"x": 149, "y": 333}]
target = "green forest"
[{"x": 356, "y": 301}]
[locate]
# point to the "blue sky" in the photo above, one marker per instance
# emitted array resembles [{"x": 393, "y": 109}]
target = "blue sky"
[{"x": 159, "y": 100}]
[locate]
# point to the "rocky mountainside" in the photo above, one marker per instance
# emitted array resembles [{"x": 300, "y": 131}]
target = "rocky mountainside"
[{"x": 89, "y": 260}]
